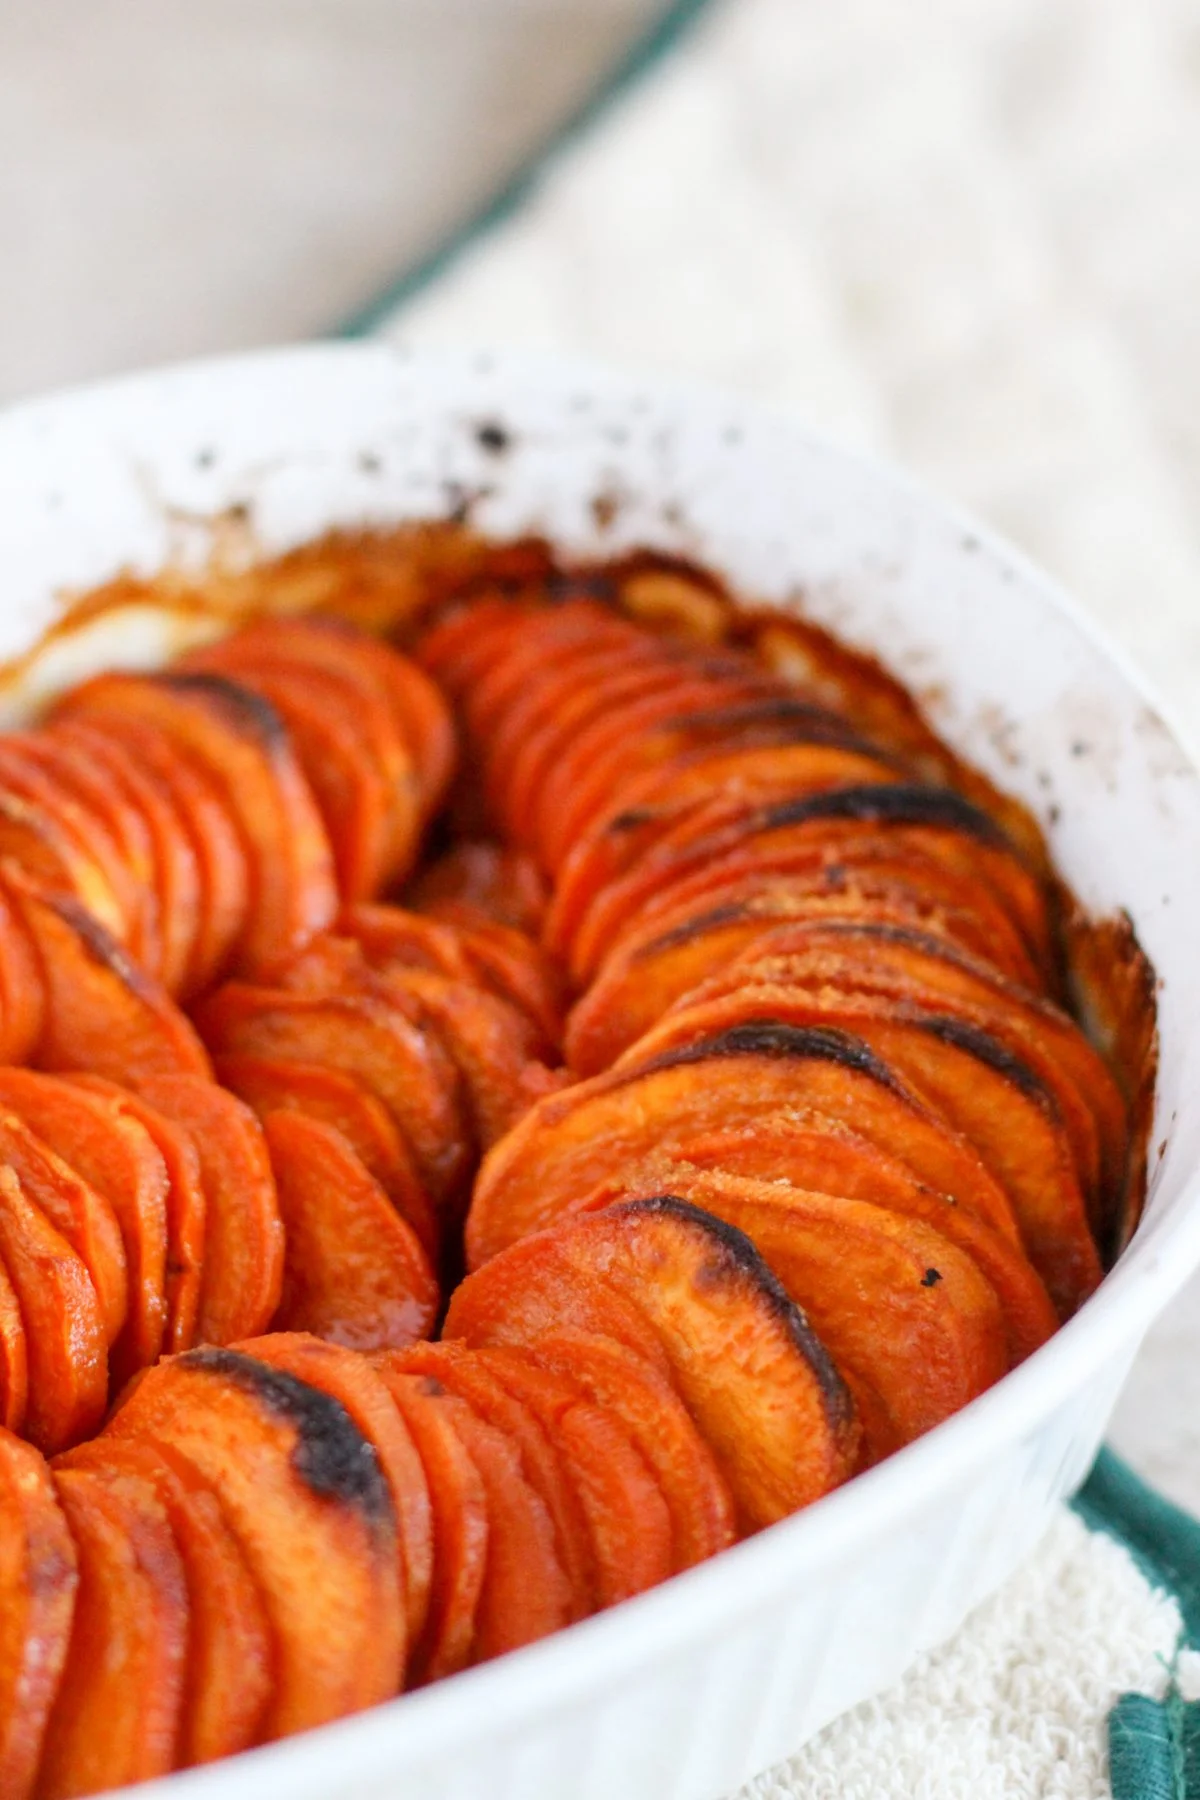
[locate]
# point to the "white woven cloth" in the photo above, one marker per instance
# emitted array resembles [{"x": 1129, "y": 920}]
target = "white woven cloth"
[
  {"x": 1016, "y": 1706},
  {"x": 965, "y": 234}
]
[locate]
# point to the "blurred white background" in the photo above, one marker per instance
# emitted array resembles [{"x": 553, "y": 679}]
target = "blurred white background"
[{"x": 965, "y": 234}]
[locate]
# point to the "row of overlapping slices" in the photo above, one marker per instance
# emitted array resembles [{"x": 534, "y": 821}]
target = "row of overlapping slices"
[{"x": 828, "y": 983}]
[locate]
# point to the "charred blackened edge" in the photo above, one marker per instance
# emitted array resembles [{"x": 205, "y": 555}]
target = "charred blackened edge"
[
  {"x": 902, "y": 803},
  {"x": 740, "y": 1258},
  {"x": 776, "y": 721},
  {"x": 768, "y": 1037},
  {"x": 249, "y": 712},
  {"x": 98, "y": 942},
  {"x": 704, "y": 922},
  {"x": 960, "y": 1034},
  {"x": 332, "y": 1457}
]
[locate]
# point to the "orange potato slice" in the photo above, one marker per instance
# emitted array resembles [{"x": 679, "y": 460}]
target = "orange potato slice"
[
  {"x": 353, "y": 1270},
  {"x": 336, "y": 1099},
  {"x": 101, "y": 1012},
  {"x": 459, "y": 1516},
  {"x": 240, "y": 743},
  {"x": 186, "y": 1208},
  {"x": 117, "y": 1714},
  {"x": 64, "y": 1327},
  {"x": 116, "y": 1157},
  {"x": 229, "y": 1654},
  {"x": 312, "y": 1513},
  {"x": 759, "y": 1387},
  {"x": 38, "y": 1581},
  {"x": 572, "y": 1140},
  {"x": 485, "y": 878},
  {"x": 76, "y": 1210},
  {"x": 356, "y": 1384},
  {"x": 242, "y": 1273},
  {"x": 58, "y": 843},
  {"x": 22, "y": 994},
  {"x": 14, "y": 1358}
]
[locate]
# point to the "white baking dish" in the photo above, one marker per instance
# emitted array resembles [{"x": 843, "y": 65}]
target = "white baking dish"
[{"x": 681, "y": 1694}]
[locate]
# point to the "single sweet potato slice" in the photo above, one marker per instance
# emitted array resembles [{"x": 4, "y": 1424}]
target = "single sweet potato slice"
[
  {"x": 642, "y": 979},
  {"x": 243, "y": 1239},
  {"x": 405, "y": 1068},
  {"x": 697, "y": 1496},
  {"x": 486, "y": 878},
  {"x": 856, "y": 867},
  {"x": 570, "y": 1141},
  {"x": 38, "y": 1581},
  {"x": 464, "y": 1372},
  {"x": 613, "y": 874},
  {"x": 910, "y": 1322},
  {"x": 313, "y": 1515},
  {"x": 626, "y": 1510},
  {"x": 987, "y": 1093},
  {"x": 76, "y": 1210},
  {"x": 338, "y": 1100},
  {"x": 117, "y": 1714},
  {"x": 173, "y": 866},
  {"x": 356, "y": 1384},
  {"x": 101, "y": 1012},
  {"x": 241, "y": 744},
  {"x": 758, "y": 1385},
  {"x": 525, "y": 1594},
  {"x": 186, "y": 1207},
  {"x": 64, "y": 1327},
  {"x": 14, "y": 1358},
  {"x": 22, "y": 994},
  {"x": 118, "y": 1158},
  {"x": 229, "y": 1655},
  {"x": 817, "y": 1153},
  {"x": 120, "y": 834},
  {"x": 459, "y": 1515},
  {"x": 62, "y": 833},
  {"x": 220, "y": 859},
  {"x": 353, "y": 1270}
]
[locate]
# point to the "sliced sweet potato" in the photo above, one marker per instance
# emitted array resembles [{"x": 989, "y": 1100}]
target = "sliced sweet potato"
[
  {"x": 464, "y": 1372},
  {"x": 14, "y": 1358},
  {"x": 117, "y": 1157},
  {"x": 338, "y": 1100},
  {"x": 63, "y": 832},
  {"x": 644, "y": 977},
  {"x": 64, "y": 1327},
  {"x": 759, "y": 1387},
  {"x": 987, "y": 1093},
  {"x": 353, "y": 1270},
  {"x": 570, "y": 1141},
  {"x": 612, "y": 875},
  {"x": 101, "y": 1012},
  {"x": 172, "y": 860},
  {"x": 697, "y": 1496},
  {"x": 240, "y": 743},
  {"x": 117, "y": 1714},
  {"x": 76, "y": 1210},
  {"x": 38, "y": 1581},
  {"x": 229, "y": 1654},
  {"x": 525, "y": 1595},
  {"x": 626, "y": 1510},
  {"x": 357, "y": 1385},
  {"x": 814, "y": 1152},
  {"x": 220, "y": 858},
  {"x": 186, "y": 1207},
  {"x": 118, "y": 831},
  {"x": 855, "y": 867},
  {"x": 459, "y": 1513},
  {"x": 311, "y": 1510},
  {"x": 912, "y": 1325},
  {"x": 243, "y": 1242},
  {"x": 486, "y": 878},
  {"x": 406, "y": 1069},
  {"x": 22, "y": 994}
]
